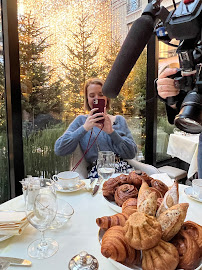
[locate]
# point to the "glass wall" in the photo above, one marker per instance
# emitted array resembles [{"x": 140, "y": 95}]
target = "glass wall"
[
  {"x": 63, "y": 43},
  {"x": 167, "y": 58},
  {"x": 4, "y": 183}
]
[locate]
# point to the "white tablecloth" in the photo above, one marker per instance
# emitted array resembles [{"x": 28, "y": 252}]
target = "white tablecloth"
[
  {"x": 81, "y": 233},
  {"x": 185, "y": 147}
]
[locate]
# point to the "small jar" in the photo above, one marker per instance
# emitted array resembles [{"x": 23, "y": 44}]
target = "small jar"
[{"x": 83, "y": 261}]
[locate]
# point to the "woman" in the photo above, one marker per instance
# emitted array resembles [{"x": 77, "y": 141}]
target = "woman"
[{"x": 114, "y": 136}]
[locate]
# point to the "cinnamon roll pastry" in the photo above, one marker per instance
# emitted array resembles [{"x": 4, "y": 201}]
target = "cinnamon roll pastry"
[
  {"x": 109, "y": 188},
  {"x": 158, "y": 193},
  {"x": 172, "y": 220},
  {"x": 125, "y": 192},
  {"x": 195, "y": 230},
  {"x": 142, "y": 231},
  {"x": 188, "y": 250},
  {"x": 136, "y": 178},
  {"x": 159, "y": 201},
  {"x": 159, "y": 185},
  {"x": 123, "y": 179},
  {"x": 109, "y": 221},
  {"x": 164, "y": 256},
  {"x": 129, "y": 206},
  {"x": 114, "y": 246}
]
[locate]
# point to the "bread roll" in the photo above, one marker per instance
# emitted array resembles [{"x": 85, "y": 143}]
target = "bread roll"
[
  {"x": 164, "y": 256},
  {"x": 149, "y": 205},
  {"x": 172, "y": 219},
  {"x": 142, "y": 231}
]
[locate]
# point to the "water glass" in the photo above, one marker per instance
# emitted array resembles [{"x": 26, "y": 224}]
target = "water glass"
[{"x": 106, "y": 164}]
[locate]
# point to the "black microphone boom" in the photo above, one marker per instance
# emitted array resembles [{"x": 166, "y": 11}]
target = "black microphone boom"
[{"x": 134, "y": 44}]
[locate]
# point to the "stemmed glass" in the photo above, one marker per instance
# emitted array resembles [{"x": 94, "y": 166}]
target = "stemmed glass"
[
  {"x": 106, "y": 164},
  {"x": 41, "y": 210}
]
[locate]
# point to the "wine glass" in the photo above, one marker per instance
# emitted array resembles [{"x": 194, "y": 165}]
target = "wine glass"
[
  {"x": 41, "y": 210},
  {"x": 106, "y": 164}
]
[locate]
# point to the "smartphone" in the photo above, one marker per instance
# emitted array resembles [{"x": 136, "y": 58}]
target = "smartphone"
[{"x": 100, "y": 104}]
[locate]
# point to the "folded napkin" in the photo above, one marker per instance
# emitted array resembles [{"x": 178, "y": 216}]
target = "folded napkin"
[
  {"x": 12, "y": 223},
  {"x": 90, "y": 186}
]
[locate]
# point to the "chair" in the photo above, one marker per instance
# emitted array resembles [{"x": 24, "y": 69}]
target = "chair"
[
  {"x": 173, "y": 172},
  {"x": 82, "y": 168}
]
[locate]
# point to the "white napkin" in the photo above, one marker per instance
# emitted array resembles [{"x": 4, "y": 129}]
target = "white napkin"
[
  {"x": 164, "y": 178},
  {"x": 90, "y": 186},
  {"x": 12, "y": 223}
]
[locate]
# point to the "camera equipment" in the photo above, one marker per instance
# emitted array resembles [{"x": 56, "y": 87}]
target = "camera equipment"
[{"x": 183, "y": 24}]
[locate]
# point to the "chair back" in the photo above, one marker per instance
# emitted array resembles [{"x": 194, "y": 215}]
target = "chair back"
[{"x": 82, "y": 168}]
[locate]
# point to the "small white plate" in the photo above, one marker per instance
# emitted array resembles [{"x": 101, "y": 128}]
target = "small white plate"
[
  {"x": 189, "y": 192},
  {"x": 113, "y": 205},
  {"x": 79, "y": 186},
  {"x": 4, "y": 237}
]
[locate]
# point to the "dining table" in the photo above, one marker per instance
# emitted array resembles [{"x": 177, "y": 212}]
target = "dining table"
[
  {"x": 185, "y": 147},
  {"x": 80, "y": 233}
]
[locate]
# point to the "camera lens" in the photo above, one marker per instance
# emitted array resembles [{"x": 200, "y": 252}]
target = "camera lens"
[{"x": 189, "y": 118}]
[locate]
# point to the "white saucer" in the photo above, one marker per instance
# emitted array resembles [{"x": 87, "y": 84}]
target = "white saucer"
[
  {"x": 189, "y": 192},
  {"x": 4, "y": 237},
  {"x": 79, "y": 186}
]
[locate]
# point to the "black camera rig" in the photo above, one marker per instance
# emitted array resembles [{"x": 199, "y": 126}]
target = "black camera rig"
[{"x": 184, "y": 24}]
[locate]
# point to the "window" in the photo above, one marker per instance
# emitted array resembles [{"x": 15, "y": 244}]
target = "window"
[{"x": 133, "y": 5}]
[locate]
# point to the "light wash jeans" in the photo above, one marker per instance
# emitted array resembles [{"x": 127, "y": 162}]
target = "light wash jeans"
[{"x": 200, "y": 157}]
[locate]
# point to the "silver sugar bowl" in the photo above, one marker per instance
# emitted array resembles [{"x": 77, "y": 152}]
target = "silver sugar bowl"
[{"x": 83, "y": 261}]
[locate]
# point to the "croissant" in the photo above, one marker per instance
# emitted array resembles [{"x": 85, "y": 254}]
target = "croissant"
[
  {"x": 171, "y": 198},
  {"x": 149, "y": 205},
  {"x": 188, "y": 249},
  {"x": 125, "y": 192},
  {"x": 109, "y": 188},
  {"x": 195, "y": 230},
  {"x": 164, "y": 256},
  {"x": 172, "y": 219},
  {"x": 108, "y": 221},
  {"x": 129, "y": 206},
  {"x": 114, "y": 246},
  {"x": 159, "y": 185}
]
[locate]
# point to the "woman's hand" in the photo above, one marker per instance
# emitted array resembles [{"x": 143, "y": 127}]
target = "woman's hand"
[
  {"x": 107, "y": 123},
  {"x": 92, "y": 119},
  {"x": 165, "y": 86}
]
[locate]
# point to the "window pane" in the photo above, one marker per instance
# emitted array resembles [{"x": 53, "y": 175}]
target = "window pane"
[
  {"x": 167, "y": 58},
  {"x": 63, "y": 43},
  {"x": 4, "y": 182}
]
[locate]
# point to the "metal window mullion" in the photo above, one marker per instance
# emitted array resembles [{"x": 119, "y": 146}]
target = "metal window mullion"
[{"x": 13, "y": 94}]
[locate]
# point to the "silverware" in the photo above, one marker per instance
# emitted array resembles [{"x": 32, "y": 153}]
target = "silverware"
[
  {"x": 16, "y": 261},
  {"x": 97, "y": 186}
]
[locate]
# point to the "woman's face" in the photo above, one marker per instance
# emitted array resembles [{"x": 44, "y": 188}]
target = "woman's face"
[{"x": 94, "y": 91}]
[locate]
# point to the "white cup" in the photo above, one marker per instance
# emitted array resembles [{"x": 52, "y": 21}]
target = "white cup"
[
  {"x": 197, "y": 188},
  {"x": 67, "y": 179}
]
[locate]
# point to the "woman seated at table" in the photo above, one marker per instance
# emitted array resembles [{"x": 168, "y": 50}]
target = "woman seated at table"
[
  {"x": 166, "y": 88},
  {"x": 114, "y": 134}
]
